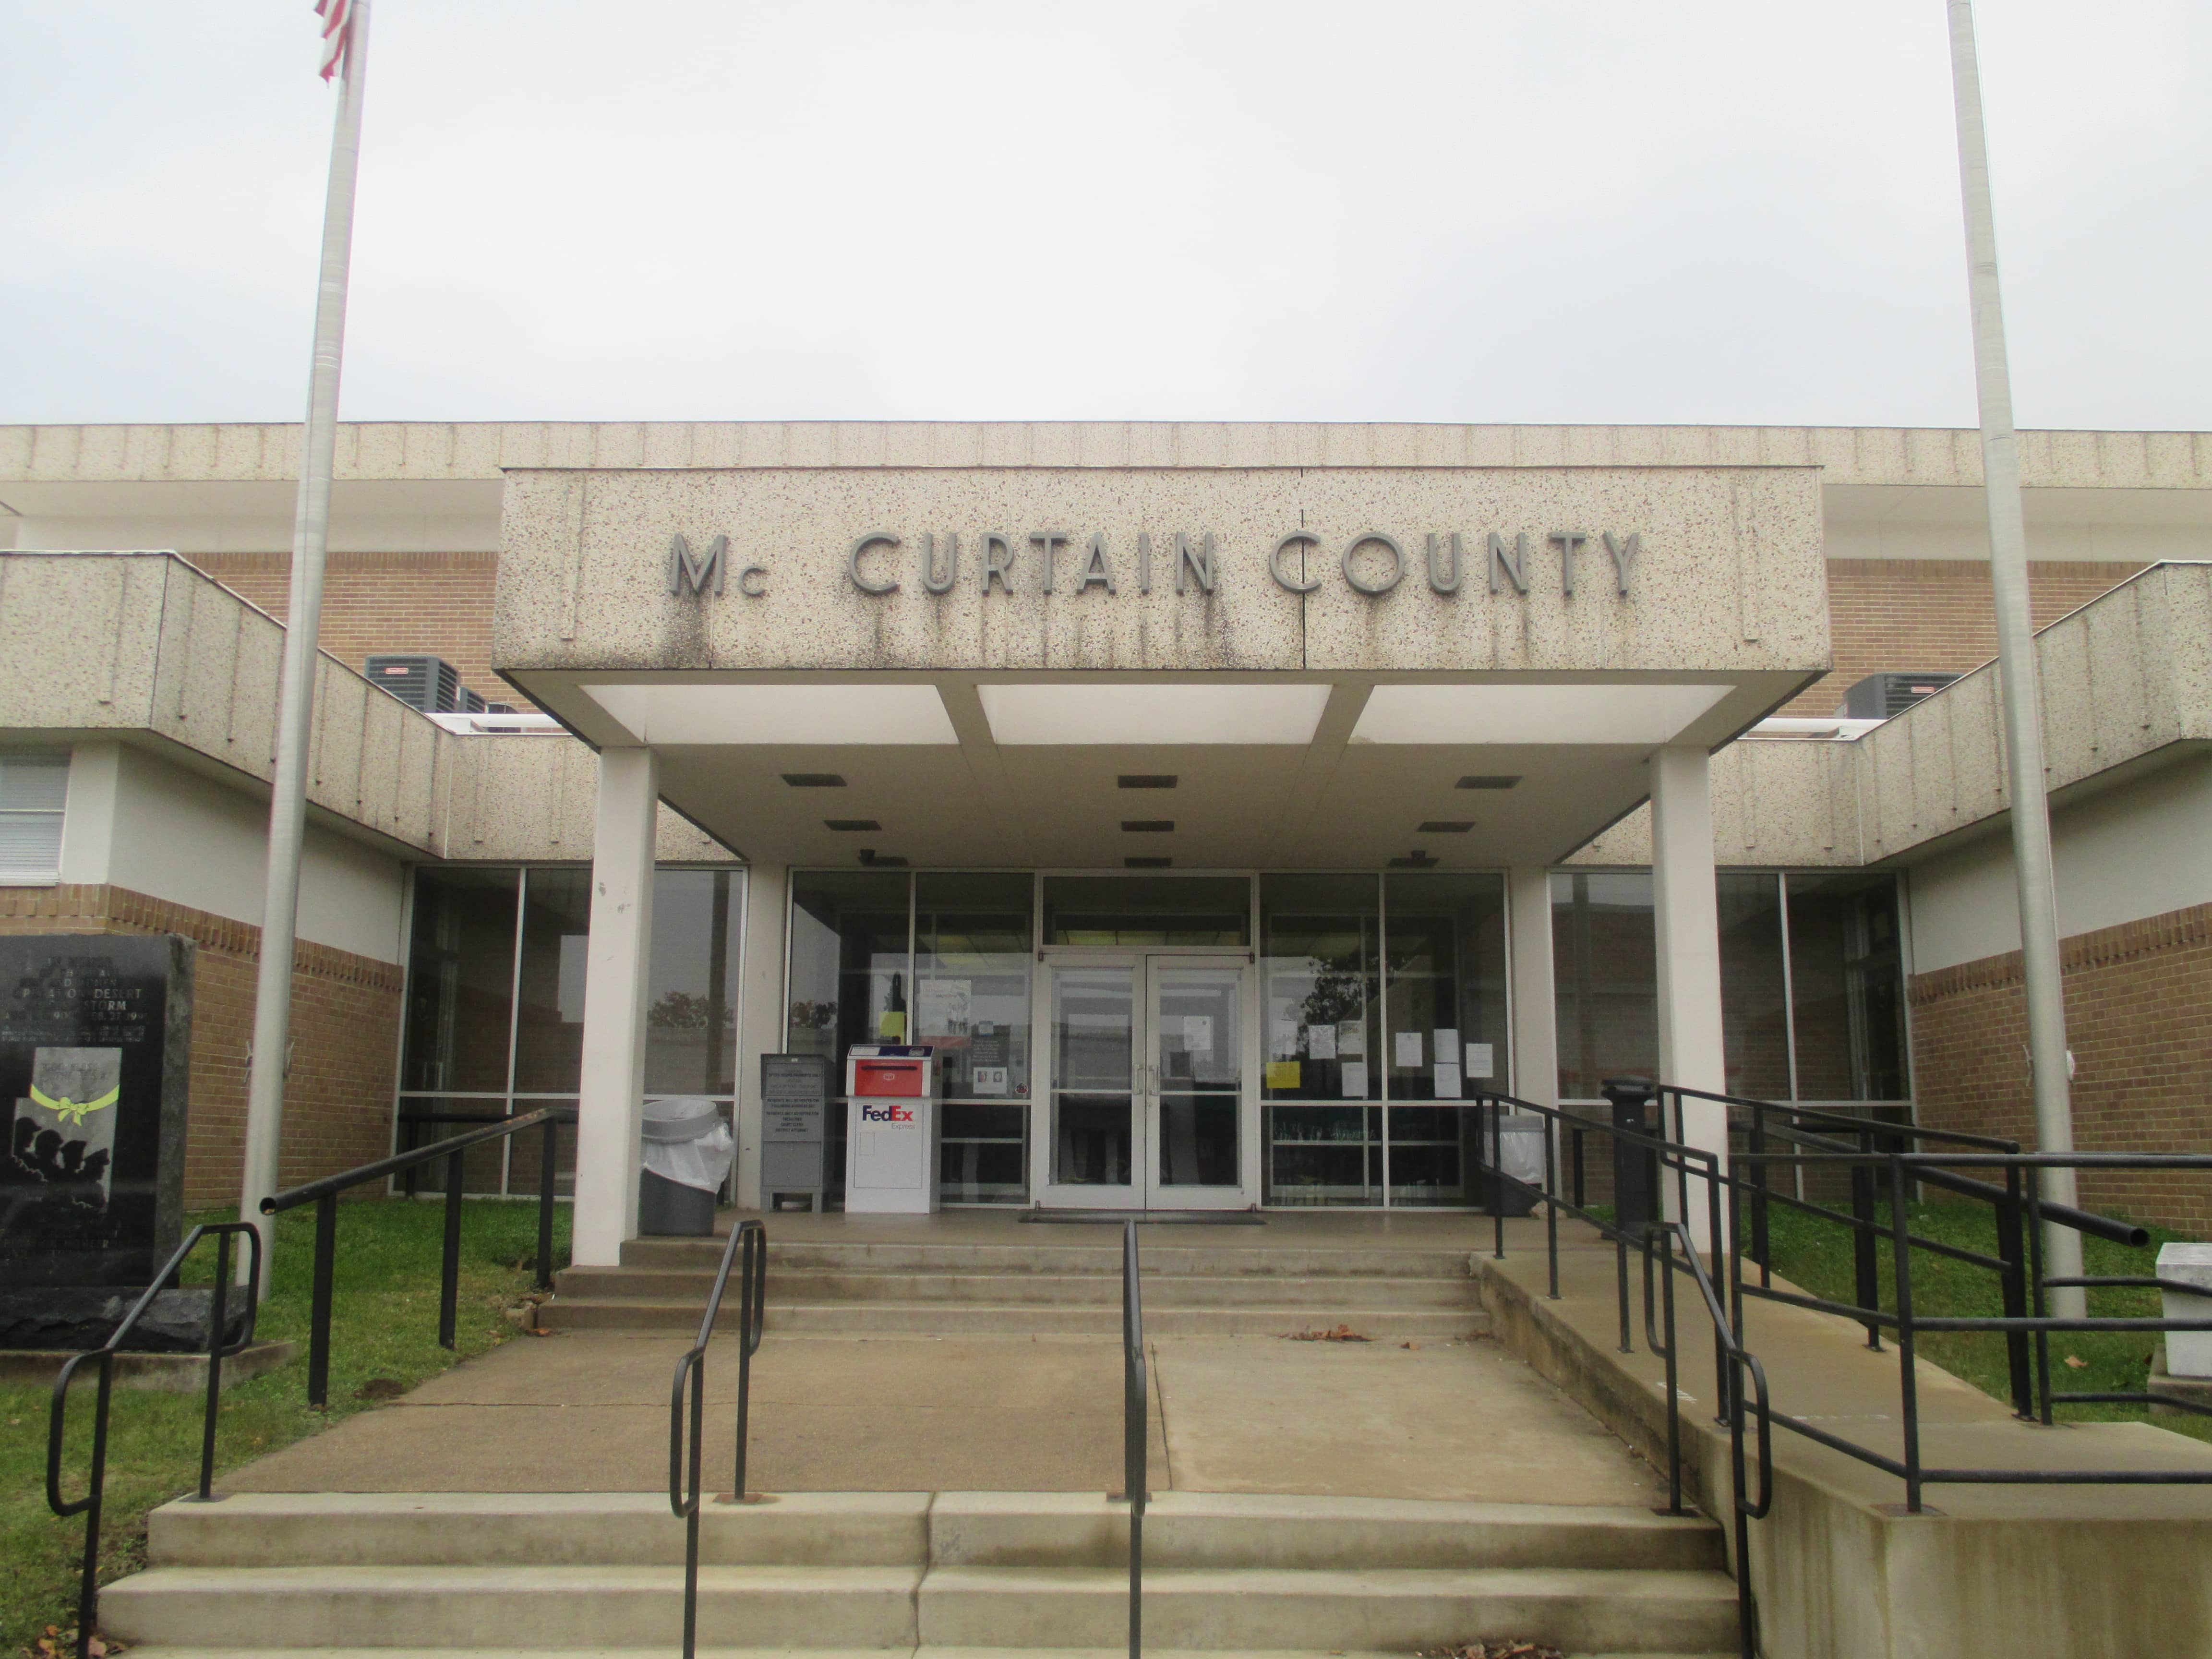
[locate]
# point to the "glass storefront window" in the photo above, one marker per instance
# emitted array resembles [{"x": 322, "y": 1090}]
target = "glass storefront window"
[
  {"x": 548, "y": 1010},
  {"x": 1605, "y": 960},
  {"x": 1847, "y": 976},
  {"x": 492, "y": 1032},
  {"x": 692, "y": 991},
  {"x": 1152, "y": 911},
  {"x": 1445, "y": 997},
  {"x": 1320, "y": 957},
  {"x": 1754, "y": 1020},
  {"x": 1837, "y": 1035},
  {"x": 849, "y": 962},
  {"x": 973, "y": 947},
  {"x": 461, "y": 980}
]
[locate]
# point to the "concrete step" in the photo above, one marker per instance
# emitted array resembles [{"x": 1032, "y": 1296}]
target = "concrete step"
[
  {"x": 985, "y": 1319},
  {"x": 590, "y": 1607},
  {"x": 701, "y": 1255},
  {"x": 787, "y": 1286},
  {"x": 1402, "y": 1608},
  {"x": 986, "y": 1529},
  {"x": 1119, "y": 1651},
  {"x": 568, "y": 1606}
]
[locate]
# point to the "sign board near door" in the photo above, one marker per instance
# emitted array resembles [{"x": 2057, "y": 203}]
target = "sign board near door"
[{"x": 795, "y": 1119}]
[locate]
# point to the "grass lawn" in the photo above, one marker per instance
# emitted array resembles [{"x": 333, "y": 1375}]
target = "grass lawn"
[
  {"x": 1816, "y": 1256},
  {"x": 384, "y": 1329}
]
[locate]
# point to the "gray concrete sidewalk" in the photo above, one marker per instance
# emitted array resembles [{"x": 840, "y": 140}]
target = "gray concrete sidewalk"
[{"x": 589, "y": 1412}]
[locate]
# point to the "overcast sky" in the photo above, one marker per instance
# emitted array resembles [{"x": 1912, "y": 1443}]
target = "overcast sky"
[{"x": 1713, "y": 211}]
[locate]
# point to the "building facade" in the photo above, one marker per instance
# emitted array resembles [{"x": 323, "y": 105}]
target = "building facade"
[{"x": 1221, "y": 803}]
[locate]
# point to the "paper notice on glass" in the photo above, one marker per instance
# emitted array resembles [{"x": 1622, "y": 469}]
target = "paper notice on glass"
[
  {"x": 1283, "y": 1073},
  {"x": 941, "y": 1007},
  {"x": 989, "y": 1079},
  {"x": 1446, "y": 1039},
  {"x": 1407, "y": 1055},
  {"x": 1282, "y": 1039},
  {"x": 1197, "y": 1035},
  {"x": 1447, "y": 1085},
  {"x": 1355, "y": 1079},
  {"x": 1321, "y": 1041},
  {"x": 1480, "y": 1062},
  {"x": 1351, "y": 1039}
]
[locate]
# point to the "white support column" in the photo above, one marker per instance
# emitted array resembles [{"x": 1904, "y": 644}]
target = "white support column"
[
  {"x": 612, "y": 1095},
  {"x": 1536, "y": 998},
  {"x": 760, "y": 1014},
  {"x": 1686, "y": 916}
]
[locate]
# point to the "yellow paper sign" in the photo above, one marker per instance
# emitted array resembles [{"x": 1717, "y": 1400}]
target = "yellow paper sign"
[{"x": 1282, "y": 1074}]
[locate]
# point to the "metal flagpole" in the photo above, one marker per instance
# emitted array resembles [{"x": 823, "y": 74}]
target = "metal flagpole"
[
  {"x": 288, "y": 796},
  {"x": 2048, "y": 1060}
]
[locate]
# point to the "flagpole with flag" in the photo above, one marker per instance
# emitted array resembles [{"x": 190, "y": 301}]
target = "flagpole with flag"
[{"x": 345, "y": 56}]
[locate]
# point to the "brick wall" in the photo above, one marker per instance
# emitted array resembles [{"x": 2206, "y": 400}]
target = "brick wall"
[
  {"x": 1932, "y": 614},
  {"x": 345, "y": 1032},
  {"x": 2139, "y": 1017},
  {"x": 434, "y": 603}
]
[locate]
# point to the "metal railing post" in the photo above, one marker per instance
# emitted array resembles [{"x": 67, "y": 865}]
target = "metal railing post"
[
  {"x": 319, "y": 1316},
  {"x": 1900, "y": 1245},
  {"x": 1551, "y": 1207},
  {"x": 1496, "y": 1172},
  {"x": 2013, "y": 1283},
  {"x": 1866, "y": 1263},
  {"x": 752, "y": 1314},
  {"x": 546, "y": 1187},
  {"x": 449, "y": 1281},
  {"x": 218, "y": 1320},
  {"x": 1135, "y": 1430},
  {"x": 1761, "y": 1249}
]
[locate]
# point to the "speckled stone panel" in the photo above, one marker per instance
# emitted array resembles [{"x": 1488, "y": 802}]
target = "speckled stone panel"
[{"x": 1730, "y": 578}]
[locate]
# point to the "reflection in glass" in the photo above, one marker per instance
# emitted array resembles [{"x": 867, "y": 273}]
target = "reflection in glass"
[
  {"x": 548, "y": 1014},
  {"x": 1320, "y": 942},
  {"x": 1105, "y": 910},
  {"x": 1848, "y": 975},
  {"x": 1445, "y": 935},
  {"x": 849, "y": 966},
  {"x": 1199, "y": 1049},
  {"x": 983, "y": 1157},
  {"x": 692, "y": 991},
  {"x": 460, "y": 979},
  {"x": 1607, "y": 983},
  {"x": 1093, "y": 1034},
  {"x": 1754, "y": 1026},
  {"x": 973, "y": 945},
  {"x": 1432, "y": 1148}
]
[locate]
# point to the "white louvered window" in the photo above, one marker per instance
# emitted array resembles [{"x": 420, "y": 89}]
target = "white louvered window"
[{"x": 34, "y": 789}]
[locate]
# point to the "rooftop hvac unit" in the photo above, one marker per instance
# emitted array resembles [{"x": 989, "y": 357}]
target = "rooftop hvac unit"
[
  {"x": 1879, "y": 696},
  {"x": 430, "y": 684}
]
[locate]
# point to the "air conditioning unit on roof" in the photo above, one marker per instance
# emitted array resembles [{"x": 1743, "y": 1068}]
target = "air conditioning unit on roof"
[
  {"x": 1879, "y": 696},
  {"x": 430, "y": 685}
]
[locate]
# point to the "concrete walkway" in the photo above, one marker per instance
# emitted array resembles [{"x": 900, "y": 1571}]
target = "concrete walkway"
[{"x": 589, "y": 1412}]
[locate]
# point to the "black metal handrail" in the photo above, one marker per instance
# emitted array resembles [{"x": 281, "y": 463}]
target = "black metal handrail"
[
  {"x": 687, "y": 1400},
  {"x": 324, "y": 1195},
  {"x": 1136, "y": 1475},
  {"x": 218, "y": 1350}
]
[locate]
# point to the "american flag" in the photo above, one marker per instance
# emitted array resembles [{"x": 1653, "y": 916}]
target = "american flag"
[{"x": 337, "y": 33}]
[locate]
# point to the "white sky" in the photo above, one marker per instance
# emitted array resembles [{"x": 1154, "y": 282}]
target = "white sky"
[{"x": 1714, "y": 210}]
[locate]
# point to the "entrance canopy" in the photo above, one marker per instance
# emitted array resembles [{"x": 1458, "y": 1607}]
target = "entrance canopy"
[{"x": 1212, "y": 667}]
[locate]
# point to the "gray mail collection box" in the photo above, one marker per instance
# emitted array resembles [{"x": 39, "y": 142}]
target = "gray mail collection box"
[{"x": 794, "y": 1127}]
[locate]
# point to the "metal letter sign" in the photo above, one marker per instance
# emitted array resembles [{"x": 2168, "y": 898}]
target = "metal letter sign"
[{"x": 696, "y": 573}]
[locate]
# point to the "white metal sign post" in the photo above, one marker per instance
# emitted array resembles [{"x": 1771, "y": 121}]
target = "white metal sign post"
[{"x": 2016, "y": 671}]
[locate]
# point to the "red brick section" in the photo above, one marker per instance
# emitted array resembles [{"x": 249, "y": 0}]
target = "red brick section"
[
  {"x": 345, "y": 1032},
  {"x": 1931, "y": 614},
  {"x": 436, "y": 604},
  {"x": 2139, "y": 1018}
]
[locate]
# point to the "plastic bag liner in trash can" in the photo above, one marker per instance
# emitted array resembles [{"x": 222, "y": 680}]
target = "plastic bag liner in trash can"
[
  {"x": 688, "y": 1153},
  {"x": 1520, "y": 1153}
]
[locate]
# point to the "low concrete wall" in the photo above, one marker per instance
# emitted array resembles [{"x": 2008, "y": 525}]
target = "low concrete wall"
[{"x": 1838, "y": 1571}]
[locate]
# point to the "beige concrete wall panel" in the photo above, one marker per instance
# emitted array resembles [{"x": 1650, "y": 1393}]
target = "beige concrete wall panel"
[
  {"x": 521, "y": 798},
  {"x": 83, "y": 635},
  {"x": 1697, "y": 564},
  {"x": 678, "y": 841}
]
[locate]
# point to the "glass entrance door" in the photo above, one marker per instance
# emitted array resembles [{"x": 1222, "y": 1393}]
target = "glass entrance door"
[{"x": 1148, "y": 1095}]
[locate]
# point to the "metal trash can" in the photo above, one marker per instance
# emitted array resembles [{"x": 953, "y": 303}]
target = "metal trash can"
[
  {"x": 1635, "y": 1168},
  {"x": 687, "y": 1154}
]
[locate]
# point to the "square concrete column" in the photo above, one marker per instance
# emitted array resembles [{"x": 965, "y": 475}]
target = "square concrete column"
[
  {"x": 611, "y": 1098},
  {"x": 1686, "y": 915},
  {"x": 1535, "y": 996},
  {"x": 760, "y": 1014}
]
